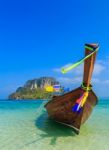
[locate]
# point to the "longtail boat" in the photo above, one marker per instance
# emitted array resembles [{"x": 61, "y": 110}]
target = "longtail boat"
[{"x": 74, "y": 108}]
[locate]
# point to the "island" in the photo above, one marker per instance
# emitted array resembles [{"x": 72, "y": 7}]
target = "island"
[{"x": 35, "y": 89}]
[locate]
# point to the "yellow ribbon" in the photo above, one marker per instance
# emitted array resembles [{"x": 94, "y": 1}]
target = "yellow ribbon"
[{"x": 84, "y": 98}]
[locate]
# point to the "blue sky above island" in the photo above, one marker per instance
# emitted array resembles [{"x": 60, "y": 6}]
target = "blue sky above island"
[{"x": 37, "y": 38}]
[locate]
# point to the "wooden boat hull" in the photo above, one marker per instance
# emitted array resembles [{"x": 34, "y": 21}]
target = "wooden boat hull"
[{"x": 60, "y": 109}]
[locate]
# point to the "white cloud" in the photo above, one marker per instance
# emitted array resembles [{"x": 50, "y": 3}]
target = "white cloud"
[
  {"x": 98, "y": 81},
  {"x": 99, "y": 68},
  {"x": 105, "y": 82},
  {"x": 66, "y": 80},
  {"x": 58, "y": 70},
  {"x": 95, "y": 80}
]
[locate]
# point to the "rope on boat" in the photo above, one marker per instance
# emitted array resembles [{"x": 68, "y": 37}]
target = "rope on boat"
[
  {"x": 66, "y": 69},
  {"x": 86, "y": 88}
]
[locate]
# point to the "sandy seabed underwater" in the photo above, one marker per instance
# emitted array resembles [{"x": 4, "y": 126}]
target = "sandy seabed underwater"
[{"x": 24, "y": 125}]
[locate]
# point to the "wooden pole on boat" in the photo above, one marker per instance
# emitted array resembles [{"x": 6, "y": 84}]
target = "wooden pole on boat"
[{"x": 89, "y": 64}]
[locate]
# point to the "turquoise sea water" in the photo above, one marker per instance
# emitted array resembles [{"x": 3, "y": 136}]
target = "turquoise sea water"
[{"x": 24, "y": 125}]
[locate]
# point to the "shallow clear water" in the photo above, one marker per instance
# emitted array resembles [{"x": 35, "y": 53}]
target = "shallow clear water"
[{"x": 24, "y": 125}]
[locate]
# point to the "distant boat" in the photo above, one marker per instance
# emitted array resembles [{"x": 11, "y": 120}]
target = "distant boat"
[
  {"x": 74, "y": 108},
  {"x": 57, "y": 87}
]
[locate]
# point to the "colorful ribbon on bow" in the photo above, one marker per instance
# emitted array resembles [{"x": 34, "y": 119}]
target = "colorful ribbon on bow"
[{"x": 80, "y": 102}]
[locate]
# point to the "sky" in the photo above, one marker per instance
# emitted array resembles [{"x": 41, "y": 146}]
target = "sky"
[{"x": 38, "y": 37}]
